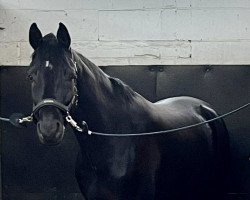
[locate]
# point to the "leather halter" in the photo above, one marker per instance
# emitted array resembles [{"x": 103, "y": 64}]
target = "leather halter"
[{"x": 55, "y": 103}]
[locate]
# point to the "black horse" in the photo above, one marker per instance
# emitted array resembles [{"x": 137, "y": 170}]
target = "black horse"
[{"x": 189, "y": 164}]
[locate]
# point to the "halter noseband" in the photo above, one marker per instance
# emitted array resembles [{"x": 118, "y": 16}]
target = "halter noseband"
[{"x": 55, "y": 103}]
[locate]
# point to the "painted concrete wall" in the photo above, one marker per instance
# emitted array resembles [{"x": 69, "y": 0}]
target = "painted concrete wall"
[{"x": 124, "y": 32}]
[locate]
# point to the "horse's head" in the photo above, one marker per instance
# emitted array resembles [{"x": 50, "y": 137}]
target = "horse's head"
[{"x": 53, "y": 82}]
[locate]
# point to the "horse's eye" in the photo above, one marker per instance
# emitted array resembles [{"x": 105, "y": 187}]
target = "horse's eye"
[{"x": 30, "y": 77}]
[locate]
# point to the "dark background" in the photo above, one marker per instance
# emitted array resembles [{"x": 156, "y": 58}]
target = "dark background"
[{"x": 31, "y": 171}]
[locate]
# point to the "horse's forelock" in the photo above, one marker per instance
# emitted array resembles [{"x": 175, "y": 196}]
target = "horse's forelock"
[
  {"x": 49, "y": 50},
  {"x": 49, "y": 39}
]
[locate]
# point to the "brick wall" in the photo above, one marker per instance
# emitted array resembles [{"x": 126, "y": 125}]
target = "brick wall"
[{"x": 133, "y": 32}]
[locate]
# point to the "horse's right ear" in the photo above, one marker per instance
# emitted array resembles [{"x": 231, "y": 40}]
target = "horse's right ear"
[
  {"x": 63, "y": 36},
  {"x": 35, "y": 36}
]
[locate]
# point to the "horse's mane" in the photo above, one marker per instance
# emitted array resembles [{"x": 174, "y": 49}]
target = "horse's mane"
[
  {"x": 121, "y": 88},
  {"x": 118, "y": 87}
]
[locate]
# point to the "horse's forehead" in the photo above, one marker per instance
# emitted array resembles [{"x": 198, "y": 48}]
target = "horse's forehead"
[
  {"x": 49, "y": 56},
  {"x": 50, "y": 52},
  {"x": 49, "y": 40},
  {"x": 49, "y": 49}
]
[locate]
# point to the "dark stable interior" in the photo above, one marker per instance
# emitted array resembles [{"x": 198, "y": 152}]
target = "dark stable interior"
[{"x": 30, "y": 170}]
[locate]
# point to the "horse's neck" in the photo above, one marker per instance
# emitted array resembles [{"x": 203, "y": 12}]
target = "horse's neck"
[
  {"x": 103, "y": 99},
  {"x": 94, "y": 83}
]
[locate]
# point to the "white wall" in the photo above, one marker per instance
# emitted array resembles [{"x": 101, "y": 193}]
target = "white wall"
[{"x": 131, "y": 32}]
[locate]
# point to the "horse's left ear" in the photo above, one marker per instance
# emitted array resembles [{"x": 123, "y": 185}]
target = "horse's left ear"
[{"x": 63, "y": 36}]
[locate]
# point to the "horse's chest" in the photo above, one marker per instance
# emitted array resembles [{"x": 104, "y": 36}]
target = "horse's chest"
[
  {"x": 120, "y": 169},
  {"x": 121, "y": 159},
  {"x": 112, "y": 158}
]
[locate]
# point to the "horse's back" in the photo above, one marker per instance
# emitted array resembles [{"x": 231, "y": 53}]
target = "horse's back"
[
  {"x": 182, "y": 103},
  {"x": 176, "y": 112}
]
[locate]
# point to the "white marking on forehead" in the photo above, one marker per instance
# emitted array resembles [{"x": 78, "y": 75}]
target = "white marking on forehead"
[{"x": 48, "y": 65}]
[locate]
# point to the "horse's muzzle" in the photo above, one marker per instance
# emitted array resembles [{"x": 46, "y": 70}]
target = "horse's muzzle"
[{"x": 50, "y": 132}]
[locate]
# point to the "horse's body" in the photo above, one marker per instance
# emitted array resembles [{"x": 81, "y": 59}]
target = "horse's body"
[
  {"x": 188, "y": 164},
  {"x": 177, "y": 165}
]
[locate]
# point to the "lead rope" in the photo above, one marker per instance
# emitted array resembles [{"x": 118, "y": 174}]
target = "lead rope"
[
  {"x": 89, "y": 132},
  {"x": 4, "y": 119},
  {"x": 17, "y": 120}
]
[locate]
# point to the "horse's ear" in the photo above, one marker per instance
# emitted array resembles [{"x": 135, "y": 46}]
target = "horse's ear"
[
  {"x": 63, "y": 36},
  {"x": 35, "y": 36}
]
